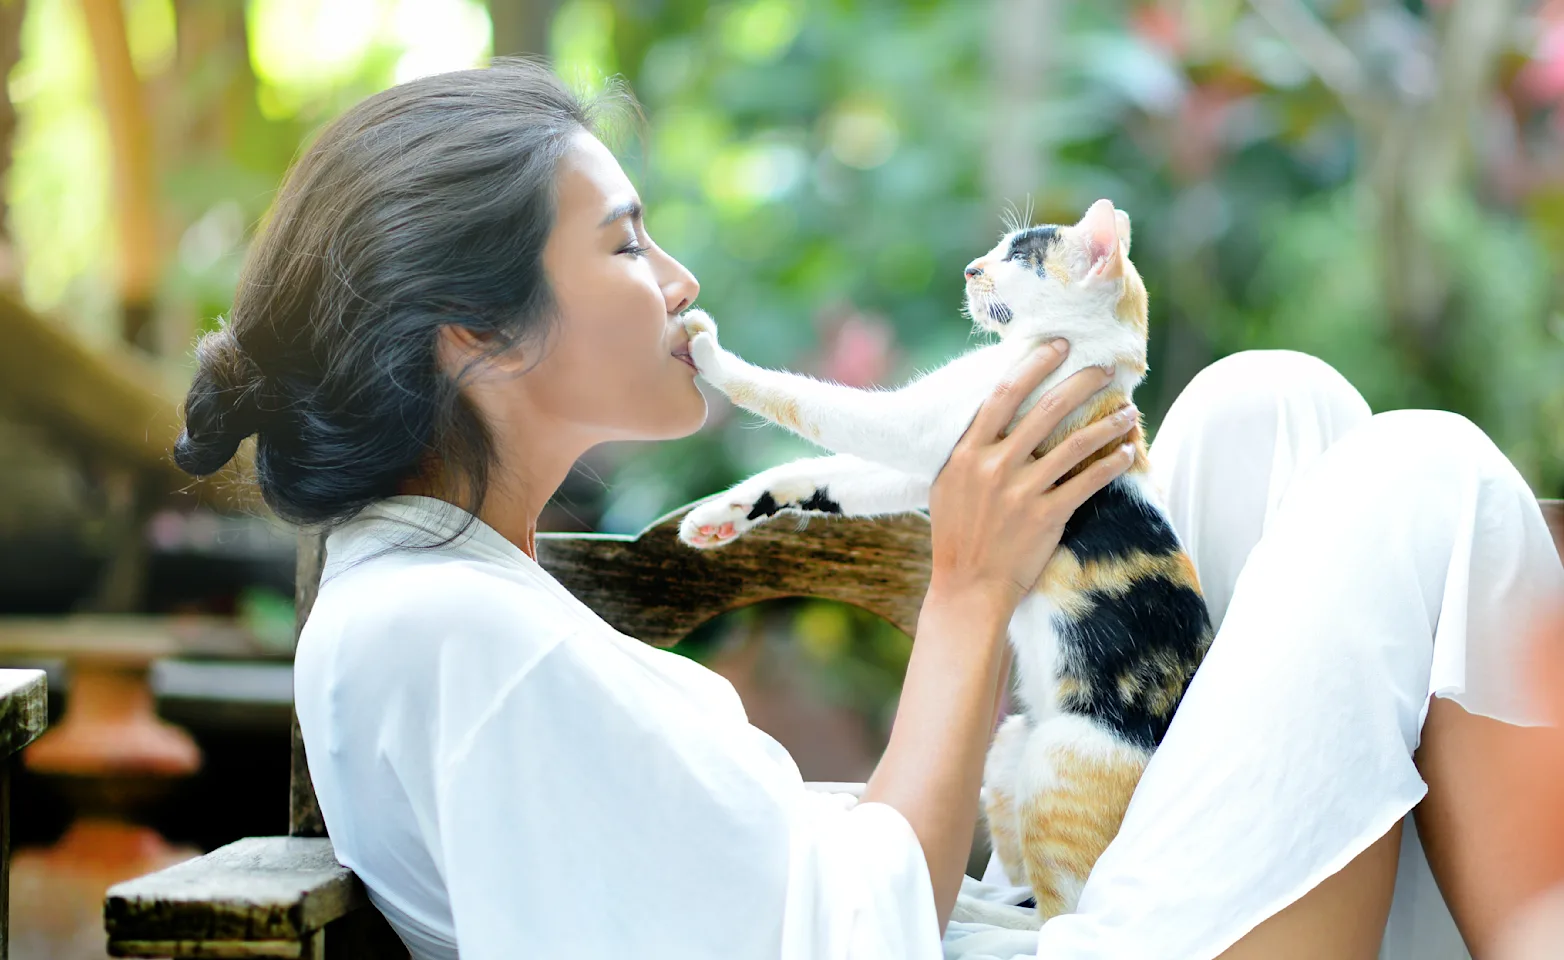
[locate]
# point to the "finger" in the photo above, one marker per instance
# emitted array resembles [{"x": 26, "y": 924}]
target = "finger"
[
  {"x": 1079, "y": 488},
  {"x": 1052, "y": 408},
  {"x": 1001, "y": 406},
  {"x": 1081, "y": 444}
]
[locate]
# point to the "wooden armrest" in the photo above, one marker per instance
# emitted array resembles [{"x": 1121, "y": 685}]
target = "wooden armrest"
[
  {"x": 257, "y": 897},
  {"x": 24, "y": 708}
]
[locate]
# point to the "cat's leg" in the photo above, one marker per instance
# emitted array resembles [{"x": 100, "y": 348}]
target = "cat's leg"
[
  {"x": 818, "y": 486},
  {"x": 1073, "y": 785},
  {"x": 999, "y": 780},
  {"x": 913, "y": 428}
]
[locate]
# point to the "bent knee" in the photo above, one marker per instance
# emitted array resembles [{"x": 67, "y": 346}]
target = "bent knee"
[
  {"x": 1241, "y": 386},
  {"x": 1281, "y": 373},
  {"x": 1424, "y": 441}
]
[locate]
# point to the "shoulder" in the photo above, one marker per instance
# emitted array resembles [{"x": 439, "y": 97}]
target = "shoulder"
[{"x": 426, "y": 611}]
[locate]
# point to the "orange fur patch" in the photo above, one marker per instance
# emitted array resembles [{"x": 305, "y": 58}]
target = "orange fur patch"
[
  {"x": 1000, "y": 813},
  {"x": 1134, "y": 306},
  {"x": 780, "y": 411},
  {"x": 1066, "y": 828},
  {"x": 1103, "y": 405},
  {"x": 1065, "y": 578}
]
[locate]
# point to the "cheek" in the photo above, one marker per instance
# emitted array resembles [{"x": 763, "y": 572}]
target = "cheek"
[{"x": 1016, "y": 283}]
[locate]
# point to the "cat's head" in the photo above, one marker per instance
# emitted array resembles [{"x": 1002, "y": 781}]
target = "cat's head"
[{"x": 1072, "y": 281}]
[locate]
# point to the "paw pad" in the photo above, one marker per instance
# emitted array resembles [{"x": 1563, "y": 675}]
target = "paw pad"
[{"x": 715, "y": 524}]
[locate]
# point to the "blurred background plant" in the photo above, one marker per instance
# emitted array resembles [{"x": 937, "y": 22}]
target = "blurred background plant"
[{"x": 1378, "y": 182}]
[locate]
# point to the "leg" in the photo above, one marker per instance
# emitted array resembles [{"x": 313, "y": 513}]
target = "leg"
[
  {"x": 1232, "y": 444},
  {"x": 819, "y": 486},
  {"x": 1481, "y": 853},
  {"x": 1264, "y": 417},
  {"x": 1342, "y": 918},
  {"x": 1290, "y": 759}
]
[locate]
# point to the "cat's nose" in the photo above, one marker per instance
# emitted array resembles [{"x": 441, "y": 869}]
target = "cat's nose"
[{"x": 973, "y": 270}]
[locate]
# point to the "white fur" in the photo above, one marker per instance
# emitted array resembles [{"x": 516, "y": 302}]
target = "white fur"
[{"x": 1035, "y": 640}]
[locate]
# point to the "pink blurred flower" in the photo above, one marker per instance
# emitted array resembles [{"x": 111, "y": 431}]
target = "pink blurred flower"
[
  {"x": 1542, "y": 79},
  {"x": 857, "y": 349},
  {"x": 1160, "y": 27}
]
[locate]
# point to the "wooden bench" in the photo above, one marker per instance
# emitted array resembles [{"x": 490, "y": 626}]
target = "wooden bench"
[
  {"x": 288, "y": 897},
  {"x": 24, "y": 712}
]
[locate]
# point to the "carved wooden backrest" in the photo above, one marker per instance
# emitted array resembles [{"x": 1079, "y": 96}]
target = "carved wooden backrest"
[{"x": 655, "y": 588}]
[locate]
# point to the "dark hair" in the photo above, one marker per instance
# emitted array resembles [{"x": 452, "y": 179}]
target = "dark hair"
[{"x": 427, "y": 204}]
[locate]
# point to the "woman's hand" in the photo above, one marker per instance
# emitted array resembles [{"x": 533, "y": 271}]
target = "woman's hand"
[{"x": 996, "y": 512}]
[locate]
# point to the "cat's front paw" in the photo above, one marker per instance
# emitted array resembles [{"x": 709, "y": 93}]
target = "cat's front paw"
[
  {"x": 704, "y": 349},
  {"x": 716, "y": 522}
]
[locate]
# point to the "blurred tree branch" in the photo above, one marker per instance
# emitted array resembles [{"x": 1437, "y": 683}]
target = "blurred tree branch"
[
  {"x": 1417, "y": 152},
  {"x": 520, "y": 26},
  {"x": 1021, "y": 58},
  {"x": 1331, "y": 60},
  {"x": 12, "y": 13},
  {"x": 134, "y": 171}
]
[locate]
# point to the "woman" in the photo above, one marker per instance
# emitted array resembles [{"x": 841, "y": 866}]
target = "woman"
[{"x": 456, "y": 297}]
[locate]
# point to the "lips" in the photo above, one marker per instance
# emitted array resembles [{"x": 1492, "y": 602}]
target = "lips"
[{"x": 683, "y": 353}]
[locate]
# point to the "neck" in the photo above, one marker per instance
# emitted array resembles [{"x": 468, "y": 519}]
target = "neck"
[{"x": 519, "y": 487}]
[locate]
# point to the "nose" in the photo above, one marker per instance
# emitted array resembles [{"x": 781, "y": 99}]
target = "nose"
[
  {"x": 679, "y": 286},
  {"x": 973, "y": 270}
]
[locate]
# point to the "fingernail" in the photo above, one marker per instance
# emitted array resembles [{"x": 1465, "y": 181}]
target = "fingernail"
[
  {"x": 1129, "y": 413},
  {"x": 1128, "y": 448},
  {"x": 1108, "y": 370},
  {"x": 1060, "y": 344}
]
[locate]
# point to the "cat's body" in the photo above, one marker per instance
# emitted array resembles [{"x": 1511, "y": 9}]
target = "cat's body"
[{"x": 1115, "y": 627}]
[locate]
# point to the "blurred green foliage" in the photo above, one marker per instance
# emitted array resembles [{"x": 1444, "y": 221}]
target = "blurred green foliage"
[
  {"x": 809, "y": 160},
  {"x": 1378, "y": 182}
]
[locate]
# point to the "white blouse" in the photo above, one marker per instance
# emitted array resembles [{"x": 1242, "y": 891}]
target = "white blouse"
[{"x": 510, "y": 776}]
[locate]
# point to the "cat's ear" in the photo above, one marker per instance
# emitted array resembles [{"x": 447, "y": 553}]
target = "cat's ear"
[
  {"x": 1123, "y": 221},
  {"x": 1105, "y": 248}
]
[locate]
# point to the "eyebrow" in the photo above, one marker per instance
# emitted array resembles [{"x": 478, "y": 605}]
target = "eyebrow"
[{"x": 631, "y": 209}]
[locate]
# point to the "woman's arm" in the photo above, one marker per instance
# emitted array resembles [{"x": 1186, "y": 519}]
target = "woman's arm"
[{"x": 997, "y": 518}]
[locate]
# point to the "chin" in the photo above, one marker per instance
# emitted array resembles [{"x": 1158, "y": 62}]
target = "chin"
[{"x": 688, "y": 419}]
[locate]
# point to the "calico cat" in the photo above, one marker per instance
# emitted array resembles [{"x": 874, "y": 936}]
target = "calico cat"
[{"x": 1113, "y": 630}]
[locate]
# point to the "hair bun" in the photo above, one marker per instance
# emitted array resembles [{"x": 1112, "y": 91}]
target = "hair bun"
[{"x": 222, "y": 407}]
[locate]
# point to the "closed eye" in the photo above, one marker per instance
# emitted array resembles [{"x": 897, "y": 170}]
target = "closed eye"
[{"x": 634, "y": 249}]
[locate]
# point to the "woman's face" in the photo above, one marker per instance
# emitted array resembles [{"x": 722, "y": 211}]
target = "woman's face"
[{"x": 615, "y": 366}]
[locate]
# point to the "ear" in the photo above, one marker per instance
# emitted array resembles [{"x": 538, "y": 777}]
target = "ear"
[
  {"x": 1105, "y": 251},
  {"x": 456, "y": 347},
  {"x": 1123, "y": 221}
]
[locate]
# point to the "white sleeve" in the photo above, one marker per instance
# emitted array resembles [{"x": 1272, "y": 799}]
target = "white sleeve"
[{"x": 593, "y": 813}]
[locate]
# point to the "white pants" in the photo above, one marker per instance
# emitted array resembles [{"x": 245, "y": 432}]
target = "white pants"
[{"x": 1355, "y": 566}]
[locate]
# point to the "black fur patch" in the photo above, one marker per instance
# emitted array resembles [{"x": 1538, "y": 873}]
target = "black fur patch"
[
  {"x": 1032, "y": 245},
  {"x": 1154, "y": 635},
  {"x": 818, "y": 502},
  {"x": 1000, "y": 313},
  {"x": 1116, "y": 522},
  {"x": 821, "y": 503},
  {"x": 1128, "y": 658},
  {"x": 764, "y": 507}
]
